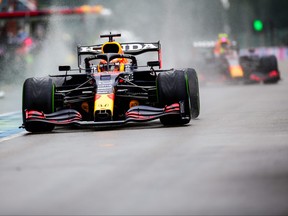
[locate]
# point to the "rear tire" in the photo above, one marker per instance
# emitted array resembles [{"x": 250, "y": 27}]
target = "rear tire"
[
  {"x": 268, "y": 64},
  {"x": 38, "y": 95}
]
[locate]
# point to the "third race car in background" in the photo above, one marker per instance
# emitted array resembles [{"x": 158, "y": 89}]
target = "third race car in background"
[
  {"x": 220, "y": 62},
  {"x": 259, "y": 69}
]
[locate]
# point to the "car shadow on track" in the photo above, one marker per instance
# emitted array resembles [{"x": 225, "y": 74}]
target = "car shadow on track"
[{"x": 129, "y": 126}]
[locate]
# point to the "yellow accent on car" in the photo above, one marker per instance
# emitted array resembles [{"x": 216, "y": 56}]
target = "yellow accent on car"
[
  {"x": 104, "y": 102},
  {"x": 133, "y": 103},
  {"x": 236, "y": 71},
  {"x": 85, "y": 107}
]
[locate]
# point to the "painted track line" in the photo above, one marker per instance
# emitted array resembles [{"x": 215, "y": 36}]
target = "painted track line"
[{"x": 9, "y": 125}]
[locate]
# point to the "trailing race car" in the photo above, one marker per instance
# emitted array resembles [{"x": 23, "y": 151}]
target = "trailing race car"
[
  {"x": 219, "y": 60},
  {"x": 113, "y": 90},
  {"x": 259, "y": 69}
]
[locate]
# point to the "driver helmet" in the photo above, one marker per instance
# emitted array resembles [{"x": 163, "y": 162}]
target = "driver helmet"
[
  {"x": 224, "y": 40},
  {"x": 115, "y": 65},
  {"x": 102, "y": 66}
]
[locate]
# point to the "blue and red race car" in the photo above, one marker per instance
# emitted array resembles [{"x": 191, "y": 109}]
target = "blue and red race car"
[
  {"x": 223, "y": 63},
  {"x": 109, "y": 87}
]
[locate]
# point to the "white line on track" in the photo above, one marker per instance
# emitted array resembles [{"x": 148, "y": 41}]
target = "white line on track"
[
  {"x": 10, "y": 132},
  {"x": 12, "y": 136},
  {"x": 10, "y": 113}
]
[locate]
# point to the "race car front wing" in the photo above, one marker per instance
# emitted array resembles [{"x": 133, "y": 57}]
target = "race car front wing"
[{"x": 135, "y": 114}]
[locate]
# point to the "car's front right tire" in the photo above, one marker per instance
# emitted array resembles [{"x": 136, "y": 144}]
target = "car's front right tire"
[{"x": 176, "y": 86}]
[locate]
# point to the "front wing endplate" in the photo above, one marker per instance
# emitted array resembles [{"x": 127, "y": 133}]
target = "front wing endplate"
[{"x": 73, "y": 117}]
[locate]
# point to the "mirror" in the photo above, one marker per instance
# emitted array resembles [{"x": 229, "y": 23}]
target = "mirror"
[
  {"x": 153, "y": 64},
  {"x": 64, "y": 68}
]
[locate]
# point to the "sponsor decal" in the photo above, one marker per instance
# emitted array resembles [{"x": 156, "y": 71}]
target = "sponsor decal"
[
  {"x": 103, "y": 105},
  {"x": 138, "y": 46},
  {"x": 96, "y": 49},
  {"x": 125, "y": 47}
]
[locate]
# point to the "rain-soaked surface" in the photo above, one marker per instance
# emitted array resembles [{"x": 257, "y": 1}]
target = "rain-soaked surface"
[{"x": 232, "y": 160}]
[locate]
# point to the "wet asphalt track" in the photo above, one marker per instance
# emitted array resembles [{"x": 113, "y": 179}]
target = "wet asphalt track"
[{"x": 232, "y": 160}]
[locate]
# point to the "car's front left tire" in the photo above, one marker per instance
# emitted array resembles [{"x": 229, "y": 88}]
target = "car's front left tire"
[{"x": 38, "y": 95}]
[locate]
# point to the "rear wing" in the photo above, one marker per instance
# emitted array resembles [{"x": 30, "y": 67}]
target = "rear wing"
[
  {"x": 128, "y": 48},
  {"x": 139, "y": 48}
]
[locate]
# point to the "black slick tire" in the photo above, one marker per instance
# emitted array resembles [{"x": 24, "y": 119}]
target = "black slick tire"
[
  {"x": 193, "y": 88},
  {"x": 268, "y": 64},
  {"x": 38, "y": 95},
  {"x": 175, "y": 86}
]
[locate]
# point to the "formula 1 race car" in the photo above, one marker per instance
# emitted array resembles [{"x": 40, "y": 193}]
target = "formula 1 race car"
[
  {"x": 259, "y": 69},
  {"x": 224, "y": 68},
  {"x": 218, "y": 61},
  {"x": 112, "y": 91}
]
